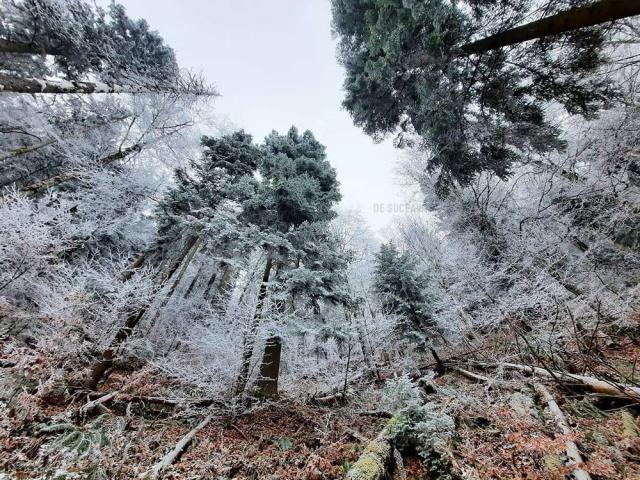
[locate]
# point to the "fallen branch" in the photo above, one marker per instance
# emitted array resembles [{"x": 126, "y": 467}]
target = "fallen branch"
[
  {"x": 593, "y": 384},
  {"x": 7, "y": 363},
  {"x": 329, "y": 399},
  {"x": 156, "y": 472},
  {"x": 96, "y": 403},
  {"x": 470, "y": 375},
  {"x": 573, "y": 453}
]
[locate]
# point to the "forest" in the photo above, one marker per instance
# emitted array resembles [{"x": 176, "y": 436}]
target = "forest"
[{"x": 180, "y": 299}]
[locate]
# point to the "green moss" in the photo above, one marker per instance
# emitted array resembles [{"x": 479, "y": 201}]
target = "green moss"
[
  {"x": 629, "y": 427},
  {"x": 378, "y": 447},
  {"x": 552, "y": 462},
  {"x": 367, "y": 468},
  {"x": 598, "y": 437}
]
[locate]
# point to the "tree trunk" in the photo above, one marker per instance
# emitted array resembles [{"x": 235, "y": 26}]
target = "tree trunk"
[
  {"x": 250, "y": 335},
  {"x": 9, "y": 83},
  {"x": 16, "y": 152},
  {"x": 567, "y": 21},
  {"x": 44, "y": 185},
  {"x": 9, "y": 46},
  {"x": 582, "y": 17},
  {"x": 158, "y": 469},
  {"x": 592, "y": 384},
  {"x": 135, "y": 266},
  {"x": 99, "y": 370},
  {"x": 270, "y": 368},
  {"x": 185, "y": 264},
  {"x": 375, "y": 459},
  {"x": 194, "y": 280}
]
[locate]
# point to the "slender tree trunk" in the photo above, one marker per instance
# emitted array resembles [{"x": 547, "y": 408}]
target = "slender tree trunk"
[
  {"x": 270, "y": 368},
  {"x": 174, "y": 285},
  {"x": 16, "y": 152},
  {"x": 99, "y": 370},
  {"x": 573, "y": 453},
  {"x": 194, "y": 280},
  {"x": 250, "y": 335},
  {"x": 39, "y": 187},
  {"x": 135, "y": 266}
]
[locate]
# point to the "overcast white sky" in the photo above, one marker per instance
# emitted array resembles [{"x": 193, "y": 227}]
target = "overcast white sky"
[{"x": 274, "y": 64}]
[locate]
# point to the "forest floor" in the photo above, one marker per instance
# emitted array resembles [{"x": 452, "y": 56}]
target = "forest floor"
[{"x": 503, "y": 430}]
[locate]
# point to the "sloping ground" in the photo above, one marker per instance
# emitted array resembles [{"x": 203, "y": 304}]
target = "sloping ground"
[{"x": 503, "y": 429}]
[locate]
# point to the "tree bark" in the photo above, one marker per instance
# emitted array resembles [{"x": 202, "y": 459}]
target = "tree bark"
[
  {"x": 193, "y": 282},
  {"x": 9, "y": 46},
  {"x": 250, "y": 335},
  {"x": 39, "y": 187},
  {"x": 99, "y": 370},
  {"x": 156, "y": 472},
  {"x": 16, "y": 152},
  {"x": 569, "y": 20},
  {"x": 593, "y": 384},
  {"x": 270, "y": 368},
  {"x": 10, "y": 83},
  {"x": 595, "y": 14},
  {"x": 375, "y": 459}
]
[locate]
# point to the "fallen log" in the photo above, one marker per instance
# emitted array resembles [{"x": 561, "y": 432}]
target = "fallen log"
[
  {"x": 591, "y": 383},
  {"x": 575, "y": 459},
  {"x": 376, "y": 458},
  {"x": 158, "y": 469},
  {"x": 372, "y": 464}
]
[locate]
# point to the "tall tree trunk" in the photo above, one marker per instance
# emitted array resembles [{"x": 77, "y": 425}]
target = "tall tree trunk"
[
  {"x": 178, "y": 279},
  {"x": 99, "y": 370},
  {"x": 19, "y": 151},
  {"x": 251, "y": 333},
  {"x": 270, "y": 368},
  {"x": 595, "y": 14},
  {"x": 10, "y": 83},
  {"x": 16, "y": 152},
  {"x": 582, "y": 17},
  {"x": 194, "y": 280},
  {"x": 9, "y": 46}
]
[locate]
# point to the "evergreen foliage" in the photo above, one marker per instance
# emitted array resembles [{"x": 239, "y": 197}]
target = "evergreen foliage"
[
  {"x": 401, "y": 291},
  {"x": 406, "y": 74},
  {"x": 88, "y": 40}
]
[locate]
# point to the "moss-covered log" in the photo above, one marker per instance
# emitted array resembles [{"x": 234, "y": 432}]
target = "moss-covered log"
[
  {"x": 374, "y": 461},
  {"x": 376, "y": 457}
]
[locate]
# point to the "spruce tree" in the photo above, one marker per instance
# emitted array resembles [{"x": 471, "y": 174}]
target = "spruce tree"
[
  {"x": 298, "y": 189},
  {"x": 399, "y": 285}
]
